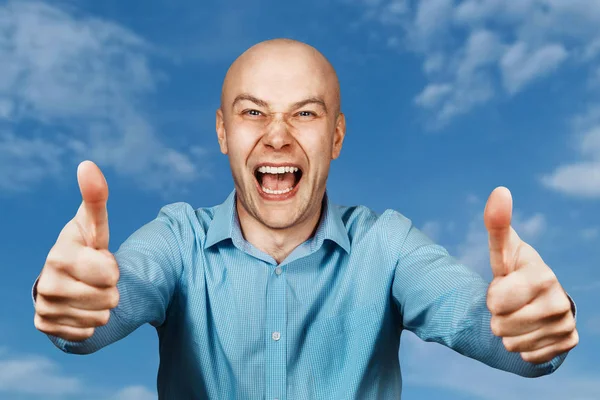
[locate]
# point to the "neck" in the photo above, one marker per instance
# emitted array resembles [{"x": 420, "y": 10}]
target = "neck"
[{"x": 278, "y": 243}]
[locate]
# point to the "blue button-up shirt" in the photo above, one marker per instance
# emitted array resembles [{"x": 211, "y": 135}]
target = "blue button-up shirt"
[{"x": 323, "y": 324}]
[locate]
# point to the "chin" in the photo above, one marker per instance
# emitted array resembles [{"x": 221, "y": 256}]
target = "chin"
[{"x": 278, "y": 222}]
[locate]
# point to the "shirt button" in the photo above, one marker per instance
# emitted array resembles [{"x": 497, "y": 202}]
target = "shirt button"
[
  {"x": 276, "y": 336},
  {"x": 278, "y": 270}
]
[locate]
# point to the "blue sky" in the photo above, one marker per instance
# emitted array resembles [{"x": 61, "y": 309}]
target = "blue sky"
[{"x": 445, "y": 100}]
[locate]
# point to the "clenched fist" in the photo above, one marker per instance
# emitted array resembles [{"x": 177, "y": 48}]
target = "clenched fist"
[
  {"x": 77, "y": 287},
  {"x": 530, "y": 310}
]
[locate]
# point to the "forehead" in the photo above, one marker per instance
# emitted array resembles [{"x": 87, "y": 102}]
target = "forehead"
[{"x": 280, "y": 77}]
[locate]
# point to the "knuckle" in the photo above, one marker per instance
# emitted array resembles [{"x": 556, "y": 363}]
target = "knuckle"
[
  {"x": 39, "y": 323},
  {"x": 44, "y": 326},
  {"x": 42, "y": 309},
  {"x": 493, "y": 304},
  {"x": 88, "y": 333},
  {"x": 496, "y": 326},
  {"x": 112, "y": 276},
  {"x": 574, "y": 339},
  {"x": 547, "y": 279},
  {"x": 529, "y": 357},
  {"x": 510, "y": 345},
  {"x": 55, "y": 258},
  {"x": 564, "y": 305},
  {"x": 80, "y": 334},
  {"x": 568, "y": 326},
  {"x": 526, "y": 357},
  {"x": 103, "y": 318},
  {"x": 47, "y": 286},
  {"x": 114, "y": 298}
]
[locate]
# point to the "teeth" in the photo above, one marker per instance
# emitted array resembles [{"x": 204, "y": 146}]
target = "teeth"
[
  {"x": 276, "y": 170},
  {"x": 269, "y": 191}
]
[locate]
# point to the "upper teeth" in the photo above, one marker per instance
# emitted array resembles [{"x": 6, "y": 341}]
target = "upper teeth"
[{"x": 276, "y": 170}]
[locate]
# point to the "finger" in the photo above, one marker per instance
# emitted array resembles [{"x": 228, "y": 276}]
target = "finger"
[
  {"x": 524, "y": 345},
  {"x": 547, "y": 353},
  {"x": 78, "y": 295},
  {"x": 62, "y": 331},
  {"x": 555, "y": 330},
  {"x": 92, "y": 216},
  {"x": 544, "y": 310},
  {"x": 497, "y": 217},
  {"x": 90, "y": 266},
  {"x": 64, "y": 314},
  {"x": 510, "y": 293}
]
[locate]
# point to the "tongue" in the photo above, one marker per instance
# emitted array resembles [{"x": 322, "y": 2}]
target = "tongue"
[{"x": 278, "y": 181}]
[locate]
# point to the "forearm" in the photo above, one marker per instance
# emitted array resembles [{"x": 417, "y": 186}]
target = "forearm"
[
  {"x": 477, "y": 341},
  {"x": 122, "y": 320},
  {"x": 443, "y": 301}
]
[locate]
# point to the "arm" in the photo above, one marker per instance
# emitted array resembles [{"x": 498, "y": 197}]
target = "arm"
[
  {"x": 150, "y": 265},
  {"x": 443, "y": 301}
]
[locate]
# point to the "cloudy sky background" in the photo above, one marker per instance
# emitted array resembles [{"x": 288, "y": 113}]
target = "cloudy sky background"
[{"x": 445, "y": 100}]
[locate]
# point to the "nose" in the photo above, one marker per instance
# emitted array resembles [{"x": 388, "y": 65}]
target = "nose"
[{"x": 277, "y": 135}]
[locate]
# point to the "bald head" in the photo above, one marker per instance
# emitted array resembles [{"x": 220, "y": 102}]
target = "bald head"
[{"x": 284, "y": 61}]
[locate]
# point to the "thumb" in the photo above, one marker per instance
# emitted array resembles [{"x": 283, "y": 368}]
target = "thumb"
[
  {"x": 92, "y": 216},
  {"x": 497, "y": 217}
]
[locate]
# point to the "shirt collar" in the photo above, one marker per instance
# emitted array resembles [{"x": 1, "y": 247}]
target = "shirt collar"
[{"x": 225, "y": 225}]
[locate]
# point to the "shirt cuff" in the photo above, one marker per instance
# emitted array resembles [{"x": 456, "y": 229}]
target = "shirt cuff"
[
  {"x": 34, "y": 290},
  {"x": 573, "y": 306}
]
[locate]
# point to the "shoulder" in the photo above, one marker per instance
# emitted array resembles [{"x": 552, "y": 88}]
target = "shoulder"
[
  {"x": 361, "y": 221},
  {"x": 178, "y": 222}
]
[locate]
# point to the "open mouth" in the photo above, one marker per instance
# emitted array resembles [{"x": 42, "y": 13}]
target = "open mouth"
[{"x": 280, "y": 180}]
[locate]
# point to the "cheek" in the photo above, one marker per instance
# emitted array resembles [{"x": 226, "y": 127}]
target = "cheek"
[
  {"x": 318, "y": 150},
  {"x": 241, "y": 141}
]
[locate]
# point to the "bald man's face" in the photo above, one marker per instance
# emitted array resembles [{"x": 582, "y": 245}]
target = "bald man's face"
[{"x": 280, "y": 126}]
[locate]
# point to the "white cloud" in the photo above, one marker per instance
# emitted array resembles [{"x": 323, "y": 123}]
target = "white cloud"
[
  {"x": 134, "y": 393},
  {"x": 35, "y": 375},
  {"x": 432, "y": 229},
  {"x": 580, "y": 178},
  {"x": 6, "y": 108},
  {"x": 25, "y": 162},
  {"x": 472, "y": 199},
  {"x": 432, "y": 95},
  {"x": 587, "y": 287},
  {"x": 474, "y": 51},
  {"x": 520, "y": 65},
  {"x": 590, "y": 233},
  {"x": 430, "y": 21},
  {"x": 80, "y": 83},
  {"x": 530, "y": 228},
  {"x": 474, "y": 251},
  {"x": 433, "y": 365}
]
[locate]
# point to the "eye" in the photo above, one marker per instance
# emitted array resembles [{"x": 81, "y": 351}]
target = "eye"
[
  {"x": 307, "y": 114},
  {"x": 253, "y": 113}
]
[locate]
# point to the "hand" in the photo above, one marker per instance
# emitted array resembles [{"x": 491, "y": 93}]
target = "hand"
[
  {"x": 78, "y": 284},
  {"x": 530, "y": 310}
]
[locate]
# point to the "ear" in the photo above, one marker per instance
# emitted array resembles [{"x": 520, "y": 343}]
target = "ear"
[
  {"x": 221, "y": 134},
  {"x": 338, "y": 137}
]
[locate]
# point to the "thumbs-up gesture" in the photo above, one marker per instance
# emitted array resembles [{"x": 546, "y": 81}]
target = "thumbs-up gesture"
[
  {"x": 530, "y": 310},
  {"x": 78, "y": 284}
]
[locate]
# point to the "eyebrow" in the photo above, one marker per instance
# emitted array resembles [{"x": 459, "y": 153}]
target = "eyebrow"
[{"x": 262, "y": 103}]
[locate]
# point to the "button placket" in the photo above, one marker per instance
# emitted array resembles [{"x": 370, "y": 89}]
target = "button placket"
[{"x": 275, "y": 356}]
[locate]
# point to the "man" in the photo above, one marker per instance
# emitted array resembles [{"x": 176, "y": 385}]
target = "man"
[{"x": 279, "y": 294}]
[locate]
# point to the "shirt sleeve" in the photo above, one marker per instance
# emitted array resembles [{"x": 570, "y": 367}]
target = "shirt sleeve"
[
  {"x": 443, "y": 301},
  {"x": 150, "y": 265}
]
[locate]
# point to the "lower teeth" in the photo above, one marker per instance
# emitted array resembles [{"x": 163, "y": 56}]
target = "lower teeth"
[{"x": 270, "y": 191}]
